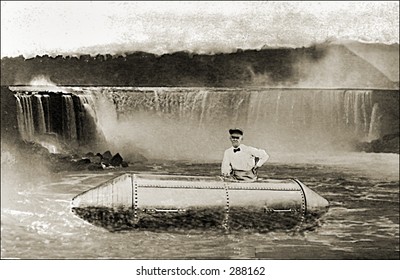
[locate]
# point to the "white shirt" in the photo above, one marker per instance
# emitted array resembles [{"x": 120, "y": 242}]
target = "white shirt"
[{"x": 243, "y": 159}]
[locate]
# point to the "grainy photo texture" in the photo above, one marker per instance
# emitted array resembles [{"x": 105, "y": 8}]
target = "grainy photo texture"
[{"x": 200, "y": 130}]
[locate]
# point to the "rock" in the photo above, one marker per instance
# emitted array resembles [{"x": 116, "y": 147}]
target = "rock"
[
  {"x": 83, "y": 161},
  {"x": 90, "y": 154},
  {"x": 95, "y": 158},
  {"x": 390, "y": 137},
  {"x": 94, "y": 166},
  {"x": 107, "y": 155},
  {"x": 392, "y": 145},
  {"x": 63, "y": 157},
  {"x": 116, "y": 160},
  {"x": 39, "y": 149},
  {"x": 387, "y": 144}
]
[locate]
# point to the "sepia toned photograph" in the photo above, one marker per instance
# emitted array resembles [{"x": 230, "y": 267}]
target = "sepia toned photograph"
[{"x": 226, "y": 130}]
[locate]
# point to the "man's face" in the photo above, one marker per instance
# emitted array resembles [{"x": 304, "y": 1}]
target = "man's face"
[{"x": 236, "y": 139}]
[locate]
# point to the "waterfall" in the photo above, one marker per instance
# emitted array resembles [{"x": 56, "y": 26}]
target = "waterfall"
[
  {"x": 196, "y": 120},
  {"x": 46, "y": 110},
  {"x": 285, "y": 118},
  {"x": 25, "y": 119},
  {"x": 69, "y": 121},
  {"x": 48, "y": 118},
  {"x": 21, "y": 119},
  {"x": 312, "y": 111},
  {"x": 39, "y": 115},
  {"x": 375, "y": 125},
  {"x": 27, "y": 105},
  {"x": 31, "y": 115},
  {"x": 87, "y": 124}
]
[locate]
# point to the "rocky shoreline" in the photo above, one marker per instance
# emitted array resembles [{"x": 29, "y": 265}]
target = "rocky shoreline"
[{"x": 36, "y": 154}]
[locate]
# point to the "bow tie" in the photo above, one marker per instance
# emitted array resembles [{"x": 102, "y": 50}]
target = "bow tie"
[{"x": 236, "y": 150}]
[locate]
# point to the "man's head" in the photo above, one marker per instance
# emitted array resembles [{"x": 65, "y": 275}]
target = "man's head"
[{"x": 236, "y": 136}]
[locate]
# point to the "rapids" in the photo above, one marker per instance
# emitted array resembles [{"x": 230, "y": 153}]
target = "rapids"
[{"x": 362, "y": 222}]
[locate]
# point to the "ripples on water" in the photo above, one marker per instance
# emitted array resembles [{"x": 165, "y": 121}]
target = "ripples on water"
[{"x": 362, "y": 223}]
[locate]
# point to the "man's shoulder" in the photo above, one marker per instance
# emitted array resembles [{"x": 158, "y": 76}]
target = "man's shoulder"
[
  {"x": 250, "y": 148},
  {"x": 245, "y": 147}
]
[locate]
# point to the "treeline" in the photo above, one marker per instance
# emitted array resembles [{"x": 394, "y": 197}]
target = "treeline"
[{"x": 176, "y": 69}]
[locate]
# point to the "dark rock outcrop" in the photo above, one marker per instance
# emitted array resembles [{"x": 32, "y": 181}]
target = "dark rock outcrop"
[
  {"x": 116, "y": 160},
  {"x": 107, "y": 155},
  {"x": 387, "y": 144},
  {"x": 9, "y": 123}
]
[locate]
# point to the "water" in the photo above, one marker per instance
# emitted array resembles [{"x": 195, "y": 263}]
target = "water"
[
  {"x": 362, "y": 223},
  {"x": 307, "y": 133},
  {"x": 145, "y": 120}
]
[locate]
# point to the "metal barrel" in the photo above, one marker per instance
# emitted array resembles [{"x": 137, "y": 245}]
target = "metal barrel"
[{"x": 139, "y": 196}]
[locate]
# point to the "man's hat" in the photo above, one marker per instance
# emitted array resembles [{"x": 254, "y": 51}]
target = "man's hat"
[{"x": 235, "y": 131}]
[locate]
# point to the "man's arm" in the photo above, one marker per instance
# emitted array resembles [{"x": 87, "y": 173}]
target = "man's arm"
[
  {"x": 261, "y": 155},
  {"x": 226, "y": 166}
]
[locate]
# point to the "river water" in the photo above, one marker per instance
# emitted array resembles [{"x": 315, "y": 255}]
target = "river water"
[
  {"x": 362, "y": 222},
  {"x": 307, "y": 133}
]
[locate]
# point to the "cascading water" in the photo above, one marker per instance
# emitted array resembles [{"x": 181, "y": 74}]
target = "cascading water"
[
  {"x": 57, "y": 116},
  {"x": 192, "y": 123},
  {"x": 25, "y": 117},
  {"x": 312, "y": 112},
  {"x": 87, "y": 123},
  {"x": 21, "y": 119},
  {"x": 39, "y": 115},
  {"x": 46, "y": 109},
  {"x": 376, "y": 116},
  {"x": 68, "y": 120},
  {"x": 322, "y": 109}
]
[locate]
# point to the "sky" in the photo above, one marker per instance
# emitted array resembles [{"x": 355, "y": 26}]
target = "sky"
[{"x": 77, "y": 27}]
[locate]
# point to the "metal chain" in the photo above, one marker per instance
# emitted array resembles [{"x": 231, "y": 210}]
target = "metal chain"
[
  {"x": 303, "y": 206},
  {"x": 135, "y": 198},
  {"x": 225, "y": 223},
  {"x": 226, "y": 218},
  {"x": 216, "y": 187}
]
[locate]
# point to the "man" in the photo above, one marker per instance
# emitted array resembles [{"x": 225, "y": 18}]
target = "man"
[{"x": 240, "y": 161}]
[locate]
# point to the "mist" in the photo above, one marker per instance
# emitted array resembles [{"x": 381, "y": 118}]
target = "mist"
[
  {"x": 329, "y": 65},
  {"x": 340, "y": 68},
  {"x": 21, "y": 170},
  {"x": 158, "y": 137},
  {"x": 193, "y": 124}
]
